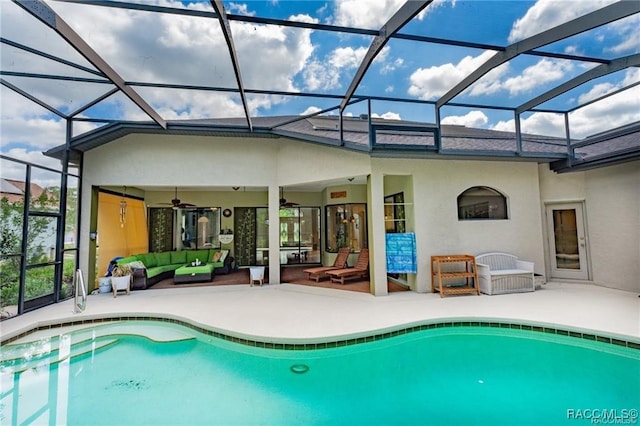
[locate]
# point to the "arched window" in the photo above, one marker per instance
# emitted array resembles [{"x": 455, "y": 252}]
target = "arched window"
[{"x": 481, "y": 202}]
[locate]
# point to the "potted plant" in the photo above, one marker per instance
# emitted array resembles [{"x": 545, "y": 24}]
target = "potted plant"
[{"x": 120, "y": 278}]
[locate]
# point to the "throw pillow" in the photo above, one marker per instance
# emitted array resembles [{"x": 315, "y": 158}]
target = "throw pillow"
[
  {"x": 216, "y": 256},
  {"x": 136, "y": 265}
]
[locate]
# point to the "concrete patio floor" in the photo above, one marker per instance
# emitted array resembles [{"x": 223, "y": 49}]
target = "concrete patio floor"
[{"x": 296, "y": 313}]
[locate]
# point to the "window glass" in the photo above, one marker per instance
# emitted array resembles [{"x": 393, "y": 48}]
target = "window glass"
[
  {"x": 201, "y": 227},
  {"x": 481, "y": 202},
  {"x": 44, "y": 191},
  {"x": 346, "y": 227},
  {"x": 299, "y": 235},
  {"x": 394, "y": 216}
]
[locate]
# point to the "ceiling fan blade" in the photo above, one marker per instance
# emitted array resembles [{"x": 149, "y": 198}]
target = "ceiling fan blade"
[{"x": 284, "y": 202}]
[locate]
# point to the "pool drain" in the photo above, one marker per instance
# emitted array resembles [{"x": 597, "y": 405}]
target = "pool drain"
[{"x": 299, "y": 368}]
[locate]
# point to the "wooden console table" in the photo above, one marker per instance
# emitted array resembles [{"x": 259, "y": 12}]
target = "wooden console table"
[{"x": 440, "y": 277}]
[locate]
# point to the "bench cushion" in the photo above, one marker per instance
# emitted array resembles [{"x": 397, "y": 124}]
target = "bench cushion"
[{"x": 510, "y": 272}]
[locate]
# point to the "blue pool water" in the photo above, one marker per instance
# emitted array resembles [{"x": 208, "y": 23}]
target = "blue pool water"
[{"x": 457, "y": 375}]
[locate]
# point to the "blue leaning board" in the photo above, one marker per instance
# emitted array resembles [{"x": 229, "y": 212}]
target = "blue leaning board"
[{"x": 401, "y": 253}]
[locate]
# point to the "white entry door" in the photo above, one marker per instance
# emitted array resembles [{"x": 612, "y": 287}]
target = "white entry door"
[{"x": 567, "y": 241}]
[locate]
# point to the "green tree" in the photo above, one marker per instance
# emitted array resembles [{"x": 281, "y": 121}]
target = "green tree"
[{"x": 11, "y": 224}]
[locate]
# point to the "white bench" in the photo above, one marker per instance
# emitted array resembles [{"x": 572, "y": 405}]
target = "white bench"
[{"x": 500, "y": 273}]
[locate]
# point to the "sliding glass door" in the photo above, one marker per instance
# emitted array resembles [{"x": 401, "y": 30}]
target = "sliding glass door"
[
  {"x": 299, "y": 230},
  {"x": 299, "y": 235}
]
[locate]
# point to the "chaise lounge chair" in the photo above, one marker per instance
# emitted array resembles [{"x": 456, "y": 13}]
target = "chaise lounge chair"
[
  {"x": 359, "y": 270},
  {"x": 321, "y": 271}
]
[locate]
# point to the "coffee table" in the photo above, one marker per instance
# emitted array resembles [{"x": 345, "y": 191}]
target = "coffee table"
[{"x": 193, "y": 274}]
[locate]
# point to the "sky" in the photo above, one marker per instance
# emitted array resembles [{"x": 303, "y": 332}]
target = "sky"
[{"x": 177, "y": 49}]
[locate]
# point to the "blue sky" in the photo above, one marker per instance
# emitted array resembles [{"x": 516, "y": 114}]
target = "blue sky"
[{"x": 142, "y": 46}]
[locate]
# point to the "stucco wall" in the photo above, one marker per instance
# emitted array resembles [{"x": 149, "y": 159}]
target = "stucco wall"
[
  {"x": 436, "y": 185},
  {"x": 610, "y": 194},
  {"x": 611, "y": 198}
]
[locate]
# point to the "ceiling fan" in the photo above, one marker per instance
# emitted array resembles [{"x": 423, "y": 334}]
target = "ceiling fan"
[
  {"x": 284, "y": 202},
  {"x": 176, "y": 204}
]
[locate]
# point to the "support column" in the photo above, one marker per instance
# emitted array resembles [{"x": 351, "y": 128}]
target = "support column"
[
  {"x": 274, "y": 234},
  {"x": 377, "y": 235}
]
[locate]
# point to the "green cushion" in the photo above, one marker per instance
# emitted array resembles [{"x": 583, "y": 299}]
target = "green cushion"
[
  {"x": 163, "y": 258},
  {"x": 201, "y": 255},
  {"x": 156, "y": 270},
  {"x": 178, "y": 257},
  {"x": 149, "y": 259},
  {"x": 202, "y": 269}
]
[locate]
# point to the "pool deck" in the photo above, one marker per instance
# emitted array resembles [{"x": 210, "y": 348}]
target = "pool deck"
[{"x": 300, "y": 314}]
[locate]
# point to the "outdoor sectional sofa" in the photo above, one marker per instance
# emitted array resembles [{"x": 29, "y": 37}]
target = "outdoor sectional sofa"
[{"x": 160, "y": 266}]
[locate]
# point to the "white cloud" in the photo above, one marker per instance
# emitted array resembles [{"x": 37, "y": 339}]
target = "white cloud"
[
  {"x": 325, "y": 74},
  {"x": 26, "y": 123},
  {"x": 432, "y": 82},
  {"x": 373, "y": 14},
  {"x": 546, "y": 14},
  {"x": 631, "y": 76},
  {"x": 615, "y": 111},
  {"x": 389, "y": 89},
  {"x": 472, "y": 119},
  {"x": 387, "y": 115},
  {"x": 627, "y": 30},
  {"x": 310, "y": 110},
  {"x": 347, "y": 57},
  {"x": 545, "y": 71},
  {"x": 391, "y": 66},
  {"x": 537, "y": 123},
  {"x": 240, "y": 9},
  {"x": 608, "y": 113},
  {"x": 542, "y": 72},
  {"x": 318, "y": 76}
]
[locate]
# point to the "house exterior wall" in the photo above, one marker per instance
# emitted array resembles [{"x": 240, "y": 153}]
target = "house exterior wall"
[
  {"x": 436, "y": 186},
  {"x": 611, "y": 197},
  {"x": 431, "y": 185}
]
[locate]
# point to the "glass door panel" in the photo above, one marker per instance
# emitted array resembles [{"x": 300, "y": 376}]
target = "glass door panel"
[
  {"x": 567, "y": 244},
  {"x": 39, "y": 282},
  {"x": 566, "y": 239},
  {"x": 262, "y": 236},
  {"x": 299, "y": 235},
  {"x": 201, "y": 227}
]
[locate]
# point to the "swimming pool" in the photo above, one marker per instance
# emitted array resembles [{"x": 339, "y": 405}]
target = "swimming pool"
[{"x": 153, "y": 373}]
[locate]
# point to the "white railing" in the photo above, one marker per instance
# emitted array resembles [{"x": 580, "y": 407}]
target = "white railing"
[{"x": 80, "y": 293}]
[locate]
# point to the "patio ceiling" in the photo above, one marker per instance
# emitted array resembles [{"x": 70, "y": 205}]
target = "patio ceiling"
[{"x": 530, "y": 68}]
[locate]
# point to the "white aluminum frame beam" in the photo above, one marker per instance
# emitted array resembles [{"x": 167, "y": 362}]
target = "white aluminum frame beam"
[
  {"x": 599, "y": 71},
  {"x": 595, "y": 19},
  {"x": 46, "y": 15},
  {"x": 393, "y": 25},
  {"x": 226, "y": 30}
]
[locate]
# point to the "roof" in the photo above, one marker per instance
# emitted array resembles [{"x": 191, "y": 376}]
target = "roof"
[
  {"x": 510, "y": 71},
  {"x": 13, "y": 190},
  {"x": 394, "y": 138}
]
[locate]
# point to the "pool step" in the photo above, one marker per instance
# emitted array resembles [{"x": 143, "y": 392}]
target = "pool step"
[{"x": 30, "y": 356}]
